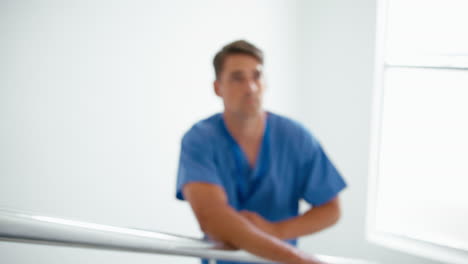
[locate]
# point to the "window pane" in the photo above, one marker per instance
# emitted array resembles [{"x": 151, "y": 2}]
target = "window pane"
[
  {"x": 427, "y": 28},
  {"x": 423, "y": 167}
]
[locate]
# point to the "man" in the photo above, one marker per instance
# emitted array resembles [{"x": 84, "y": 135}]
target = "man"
[{"x": 245, "y": 170}]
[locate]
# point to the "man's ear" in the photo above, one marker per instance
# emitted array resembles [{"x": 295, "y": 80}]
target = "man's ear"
[{"x": 217, "y": 88}]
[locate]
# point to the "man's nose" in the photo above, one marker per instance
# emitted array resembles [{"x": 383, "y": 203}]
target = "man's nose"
[{"x": 252, "y": 86}]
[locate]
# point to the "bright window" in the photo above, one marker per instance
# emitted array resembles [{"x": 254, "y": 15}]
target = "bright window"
[{"x": 418, "y": 191}]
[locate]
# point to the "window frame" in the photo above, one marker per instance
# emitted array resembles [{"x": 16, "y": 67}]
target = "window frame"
[{"x": 398, "y": 242}]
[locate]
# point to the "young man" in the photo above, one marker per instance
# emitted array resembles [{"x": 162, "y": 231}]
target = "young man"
[{"x": 244, "y": 171}]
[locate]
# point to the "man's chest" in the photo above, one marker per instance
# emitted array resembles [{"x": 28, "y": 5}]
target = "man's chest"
[
  {"x": 274, "y": 181},
  {"x": 251, "y": 150}
]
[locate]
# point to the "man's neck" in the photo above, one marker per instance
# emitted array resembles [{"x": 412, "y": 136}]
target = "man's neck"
[{"x": 245, "y": 128}]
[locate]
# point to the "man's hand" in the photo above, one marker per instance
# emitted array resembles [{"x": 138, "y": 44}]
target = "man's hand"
[{"x": 262, "y": 224}]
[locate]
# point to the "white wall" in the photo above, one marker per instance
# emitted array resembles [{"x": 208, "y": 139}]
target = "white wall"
[{"x": 94, "y": 99}]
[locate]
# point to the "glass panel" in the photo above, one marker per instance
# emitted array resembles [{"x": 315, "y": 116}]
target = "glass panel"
[{"x": 423, "y": 167}]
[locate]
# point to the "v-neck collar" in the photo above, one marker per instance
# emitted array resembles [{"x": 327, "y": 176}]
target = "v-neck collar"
[
  {"x": 238, "y": 149},
  {"x": 247, "y": 177}
]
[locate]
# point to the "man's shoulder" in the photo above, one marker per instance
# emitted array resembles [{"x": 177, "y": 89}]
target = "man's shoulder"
[
  {"x": 296, "y": 134},
  {"x": 205, "y": 128},
  {"x": 288, "y": 125}
]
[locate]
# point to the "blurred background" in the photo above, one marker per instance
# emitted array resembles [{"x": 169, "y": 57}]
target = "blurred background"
[{"x": 96, "y": 95}]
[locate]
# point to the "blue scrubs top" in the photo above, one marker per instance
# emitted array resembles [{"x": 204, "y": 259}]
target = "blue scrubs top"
[{"x": 291, "y": 166}]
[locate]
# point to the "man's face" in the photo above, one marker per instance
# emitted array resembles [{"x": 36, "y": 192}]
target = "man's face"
[{"x": 241, "y": 85}]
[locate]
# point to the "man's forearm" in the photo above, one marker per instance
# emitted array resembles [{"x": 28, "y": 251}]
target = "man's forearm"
[
  {"x": 222, "y": 223},
  {"x": 229, "y": 227},
  {"x": 312, "y": 221}
]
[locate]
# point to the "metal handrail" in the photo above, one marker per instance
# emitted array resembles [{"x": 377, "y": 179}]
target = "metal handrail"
[{"x": 36, "y": 229}]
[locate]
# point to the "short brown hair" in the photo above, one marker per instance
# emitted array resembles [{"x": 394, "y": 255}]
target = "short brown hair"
[{"x": 236, "y": 47}]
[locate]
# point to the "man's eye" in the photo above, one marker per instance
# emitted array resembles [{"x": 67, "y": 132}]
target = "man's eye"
[{"x": 237, "y": 78}]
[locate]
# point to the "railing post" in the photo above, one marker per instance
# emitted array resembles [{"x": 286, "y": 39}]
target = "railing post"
[{"x": 212, "y": 261}]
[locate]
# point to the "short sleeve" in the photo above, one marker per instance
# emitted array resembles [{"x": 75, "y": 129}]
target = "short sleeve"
[
  {"x": 196, "y": 162},
  {"x": 322, "y": 180}
]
